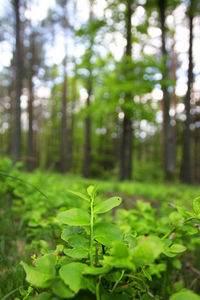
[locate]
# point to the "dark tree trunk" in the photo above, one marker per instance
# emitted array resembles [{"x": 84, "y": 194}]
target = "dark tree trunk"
[
  {"x": 63, "y": 144},
  {"x": 175, "y": 102},
  {"x": 71, "y": 144},
  {"x": 168, "y": 149},
  {"x": 87, "y": 145},
  {"x": 30, "y": 146},
  {"x": 64, "y": 139},
  {"x": 186, "y": 155},
  {"x": 126, "y": 152},
  {"x": 87, "y": 158},
  {"x": 18, "y": 88}
]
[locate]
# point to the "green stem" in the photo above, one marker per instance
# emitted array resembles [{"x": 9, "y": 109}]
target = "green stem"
[
  {"x": 9, "y": 294},
  {"x": 91, "y": 229},
  {"x": 98, "y": 297},
  {"x": 116, "y": 283},
  {"x": 169, "y": 233}
]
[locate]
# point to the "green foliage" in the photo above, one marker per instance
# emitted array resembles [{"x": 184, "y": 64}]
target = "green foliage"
[
  {"x": 185, "y": 295},
  {"x": 111, "y": 260},
  {"x": 113, "y": 252}
]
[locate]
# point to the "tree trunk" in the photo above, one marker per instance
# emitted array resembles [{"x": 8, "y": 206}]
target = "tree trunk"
[
  {"x": 63, "y": 144},
  {"x": 71, "y": 146},
  {"x": 186, "y": 154},
  {"x": 168, "y": 149},
  {"x": 127, "y": 132},
  {"x": 18, "y": 88},
  {"x": 87, "y": 158},
  {"x": 87, "y": 145},
  {"x": 30, "y": 147}
]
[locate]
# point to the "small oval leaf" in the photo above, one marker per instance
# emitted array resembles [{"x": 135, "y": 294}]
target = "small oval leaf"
[
  {"x": 77, "y": 253},
  {"x": 107, "y": 205},
  {"x": 177, "y": 248},
  {"x": 74, "y": 217}
]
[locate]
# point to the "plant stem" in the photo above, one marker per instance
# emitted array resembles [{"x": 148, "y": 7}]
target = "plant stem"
[
  {"x": 9, "y": 294},
  {"x": 97, "y": 288},
  {"x": 116, "y": 283},
  {"x": 91, "y": 229}
]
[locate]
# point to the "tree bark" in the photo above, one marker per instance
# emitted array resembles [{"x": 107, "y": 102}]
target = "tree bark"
[
  {"x": 63, "y": 144},
  {"x": 186, "y": 154},
  {"x": 71, "y": 145},
  {"x": 168, "y": 149},
  {"x": 87, "y": 158},
  {"x": 18, "y": 88},
  {"x": 127, "y": 131},
  {"x": 30, "y": 147},
  {"x": 87, "y": 145}
]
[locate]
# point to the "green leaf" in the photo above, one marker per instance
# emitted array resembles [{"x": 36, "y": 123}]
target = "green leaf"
[
  {"x": 72, "y": 276},
  {"x": 78, "y": 241},
  {"x": 43, "y": 296},
  {"x": 184, "y": 213},
  {"x": 196, "y": 205},
  {"x": 120, "y": 250},
  {"x": 107, "y": 233},
  {"x": 190, "y": 229},
  {"x": 157, "y": 269},
  {"x": 185, "y": 295},
  {"x": 89, "y": 284},
  {"x": 77, "y": 253},
  {"x": 74, "y": 217},
  {"x": 147, "y": 250},
  {"x": 107, "y": 205},
  {"x": 82, "y": 196},
  {"x": 177, "y": 248},
  {"x": 70, "y": 231},
  {"x": 116, "y": 262},
  {"x": 177, "y": 263},
  {"x": 61, "y": 290},
  {"x": 91, "y": 270},
  {"x": 42, "y": 273}
]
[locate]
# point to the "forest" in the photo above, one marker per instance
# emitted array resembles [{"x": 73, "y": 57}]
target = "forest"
[{"x": 100, "y": 149}]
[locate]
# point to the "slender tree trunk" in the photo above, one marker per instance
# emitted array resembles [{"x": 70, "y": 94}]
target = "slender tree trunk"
[
  {"x": 18, "y": 68},
  {"x": 87, "y": 145},
  {"x": 30, "y": 146},
  {"x": 71, "y": 146},
  {"x": 175, "y": 102},
  {"x": 127, "y": 132},
  {"x": 168, "y": 155},
  {"x": 63, "y": 144},
  {"x": 186, "y": 154},
  {"x": 87, "y": 158},
  {"x": 11, "y": 92}
]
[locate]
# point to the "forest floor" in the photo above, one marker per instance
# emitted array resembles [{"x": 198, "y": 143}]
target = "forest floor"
[{"x": 22, "y": 207}]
